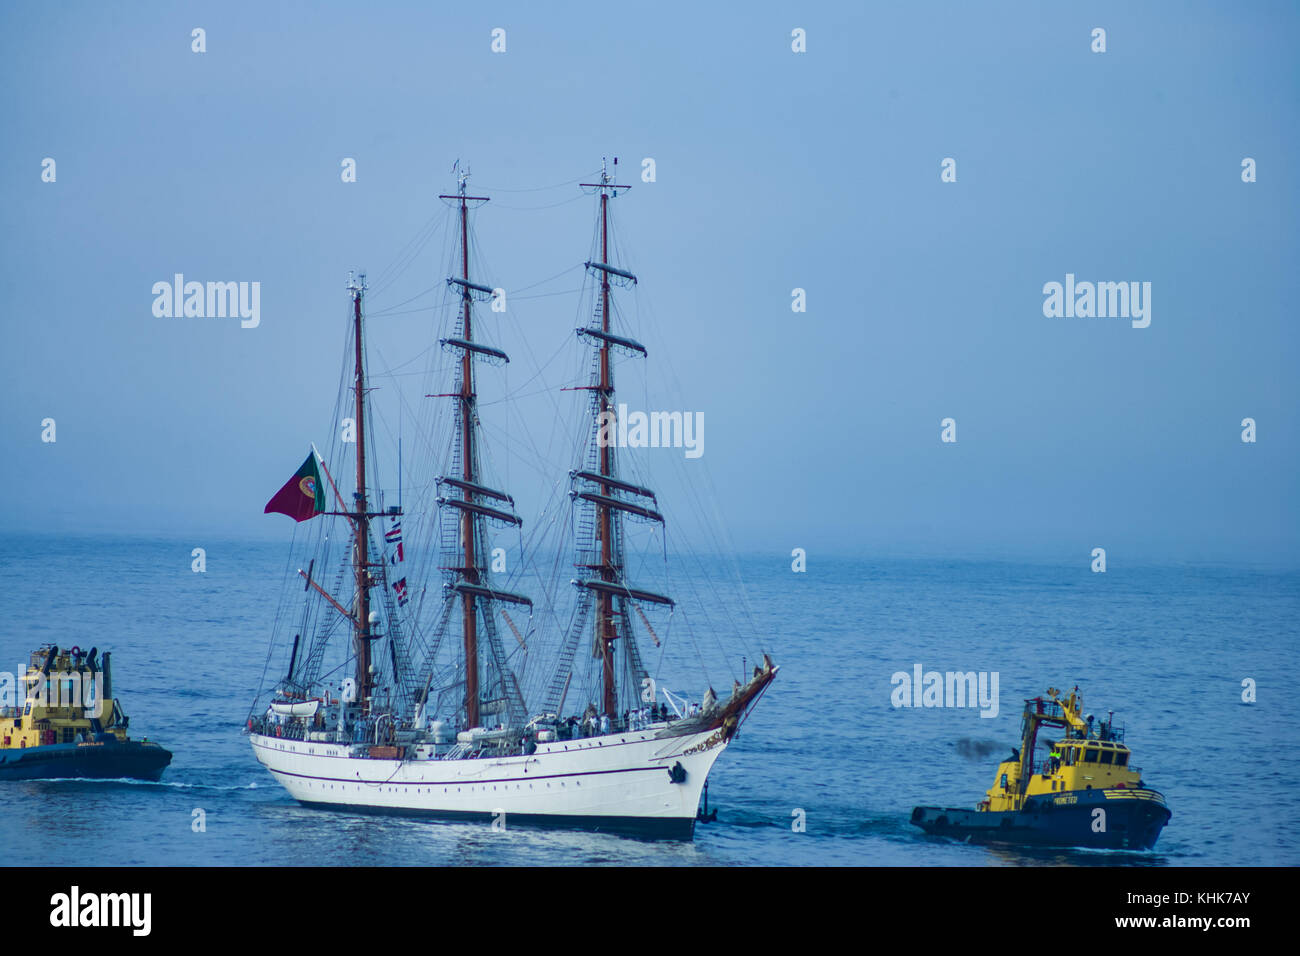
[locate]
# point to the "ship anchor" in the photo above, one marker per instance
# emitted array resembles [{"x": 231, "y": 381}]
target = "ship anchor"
[{"x": 705, "y": 815}]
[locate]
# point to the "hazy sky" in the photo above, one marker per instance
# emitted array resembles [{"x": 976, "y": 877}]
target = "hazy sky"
[{"x": 775, "y": 170}]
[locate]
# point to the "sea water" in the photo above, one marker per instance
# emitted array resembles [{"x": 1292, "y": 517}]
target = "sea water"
[{"x": 825, "y": 771}]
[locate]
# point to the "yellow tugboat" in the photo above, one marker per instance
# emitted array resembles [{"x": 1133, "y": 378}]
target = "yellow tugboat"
[
  {"x": 70, "y": 725},
  {"x": 1086, "y": 793}
]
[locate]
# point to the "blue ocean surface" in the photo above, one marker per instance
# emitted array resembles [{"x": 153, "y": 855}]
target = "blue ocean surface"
[{"x": 1166, "y": 648}]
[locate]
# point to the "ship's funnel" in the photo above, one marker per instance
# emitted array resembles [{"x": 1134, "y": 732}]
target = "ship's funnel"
[{"x": 108, "y": 685}]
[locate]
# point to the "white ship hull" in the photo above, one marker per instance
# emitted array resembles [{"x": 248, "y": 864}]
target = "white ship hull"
[{"x": 621, "y": 783}]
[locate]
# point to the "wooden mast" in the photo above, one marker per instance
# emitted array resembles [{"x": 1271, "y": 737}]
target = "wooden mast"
[
  {"x": 605, "y": 601},
  {"x": 471, "y": 584},
  {"x": 470, "y": 615},
  {"x": 361, "y": 522},
  {"x": 607, "y": 574},
  {"x": 610, "y": 563},
  {"x": 469, "y": 558}
]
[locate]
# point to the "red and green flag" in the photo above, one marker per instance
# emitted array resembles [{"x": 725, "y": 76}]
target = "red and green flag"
[{"x": 302, "y": 496}]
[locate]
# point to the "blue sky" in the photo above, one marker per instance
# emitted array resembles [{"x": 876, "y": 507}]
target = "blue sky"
[{"x": 775, "y": 170}]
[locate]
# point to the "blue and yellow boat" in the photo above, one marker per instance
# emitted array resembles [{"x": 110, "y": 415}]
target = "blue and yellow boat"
[
  {"x": 1085, "y": 793},
  {"x": 69, "y": 725}
]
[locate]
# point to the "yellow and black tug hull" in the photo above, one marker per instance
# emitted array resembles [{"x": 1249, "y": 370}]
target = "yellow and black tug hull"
[
  {"x": 105, "y": 759},
  {"x": 1113, "y": 818}
]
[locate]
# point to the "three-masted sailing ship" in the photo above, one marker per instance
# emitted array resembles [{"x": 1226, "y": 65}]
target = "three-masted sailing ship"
[{"x": 426, "y": 713}]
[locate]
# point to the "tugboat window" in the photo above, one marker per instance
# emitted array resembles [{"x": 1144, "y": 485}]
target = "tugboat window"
[
  {"x": 1107, "y": 756},
  {"x": 1090, "y": 755},
  {"x": 1121, "y": 759}
]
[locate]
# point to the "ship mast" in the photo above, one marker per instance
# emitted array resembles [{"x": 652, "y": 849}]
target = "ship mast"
[
  {"x": 361, "y": 519},
  {"x": 608, "y": 585},
  {"x": 470, "y": 583},
  {"x": 605, "y": 630},
  {"x": 467, "y": 451}
]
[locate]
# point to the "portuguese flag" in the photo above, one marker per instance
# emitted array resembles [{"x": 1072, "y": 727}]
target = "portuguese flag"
[{"x": 302, "y": 496}]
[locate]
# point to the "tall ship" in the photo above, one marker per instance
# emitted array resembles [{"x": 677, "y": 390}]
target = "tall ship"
[
  {"x": 440, "y": 697},
  {"x": 69, "y": 724},
  {"x": 1085, "y": 792}
]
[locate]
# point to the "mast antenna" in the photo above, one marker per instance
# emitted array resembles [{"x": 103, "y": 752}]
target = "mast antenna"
[
  {"x": 609, "y": 184},
  {"x": 462, "y": 176}
]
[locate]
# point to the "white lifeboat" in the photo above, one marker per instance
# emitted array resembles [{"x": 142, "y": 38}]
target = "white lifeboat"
[{"x": 296, "y": 708}]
